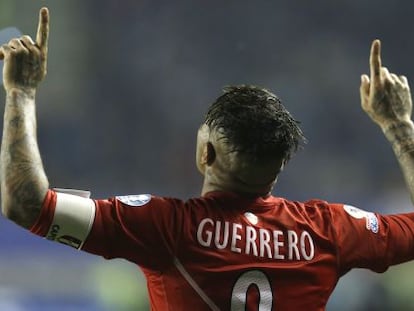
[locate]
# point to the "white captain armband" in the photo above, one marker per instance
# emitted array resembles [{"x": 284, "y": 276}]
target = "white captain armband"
[{"x": 73, "y": 218}]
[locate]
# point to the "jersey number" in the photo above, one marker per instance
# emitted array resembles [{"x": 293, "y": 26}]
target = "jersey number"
[{"x": 240, "y": 288}]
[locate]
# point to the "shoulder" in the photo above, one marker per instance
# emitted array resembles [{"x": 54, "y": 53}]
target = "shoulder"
[
  {"x": 135, "y": 201},
  {"x": 150, "y": 207},
  {"x": 160, "y": 206},
  {"x": 312, "y": 207},
  {"x": 315, "y": 214}
]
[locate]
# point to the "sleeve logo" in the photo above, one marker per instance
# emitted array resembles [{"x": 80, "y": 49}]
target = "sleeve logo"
[
  {"x": 135, "y": 200},
  {"x": 371, "y": 220}
]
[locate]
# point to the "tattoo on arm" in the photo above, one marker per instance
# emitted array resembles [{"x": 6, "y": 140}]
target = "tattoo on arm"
[
  {"x": 23, "y": 180},
  {"x": 401, "y": 137}
]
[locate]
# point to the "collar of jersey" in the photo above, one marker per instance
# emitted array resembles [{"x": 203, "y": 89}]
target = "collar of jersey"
[{"x": 228, "y": 195}]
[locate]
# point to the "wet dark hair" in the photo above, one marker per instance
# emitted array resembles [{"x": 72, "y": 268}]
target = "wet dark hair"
[{"x": 253, "y": 122}]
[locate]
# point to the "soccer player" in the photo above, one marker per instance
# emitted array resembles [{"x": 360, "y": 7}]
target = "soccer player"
[{"x": 236, "y": 247}]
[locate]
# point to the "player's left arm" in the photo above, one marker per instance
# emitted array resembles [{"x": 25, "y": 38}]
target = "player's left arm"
[
  {"x": 365, "y": 239},
  {"x": 23, "y": 180},
  {"x": 370, "y": 240},
  {"x": 386, "y": 98}
]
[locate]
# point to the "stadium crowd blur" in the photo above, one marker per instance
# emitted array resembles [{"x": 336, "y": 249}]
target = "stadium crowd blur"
[{"x": 128, "y": 85}]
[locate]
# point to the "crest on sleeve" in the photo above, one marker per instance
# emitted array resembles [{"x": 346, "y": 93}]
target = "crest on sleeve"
[
  {"x": 135, "y": 200},
  {"x": 371, "y": 220}
]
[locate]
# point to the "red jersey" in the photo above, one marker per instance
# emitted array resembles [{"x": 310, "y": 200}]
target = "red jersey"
[{"x": 227, "y": 252}]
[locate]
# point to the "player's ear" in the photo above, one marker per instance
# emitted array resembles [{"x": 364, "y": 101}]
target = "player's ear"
[{"x": 210, "y": 154}]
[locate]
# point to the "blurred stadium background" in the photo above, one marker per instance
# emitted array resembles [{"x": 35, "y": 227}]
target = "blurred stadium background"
[{"x": 128, "y": 84}]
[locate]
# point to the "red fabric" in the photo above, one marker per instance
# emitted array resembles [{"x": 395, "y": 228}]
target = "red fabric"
[
  {"x": 44, "y": 221},
  {"x": 359, "y": 247},
  {"x": 164, "y": 231}
]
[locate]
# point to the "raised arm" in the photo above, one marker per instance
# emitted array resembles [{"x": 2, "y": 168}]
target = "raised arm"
[
  {"x": 23, "y": 181},
  {"x": 386, "y": 98}
]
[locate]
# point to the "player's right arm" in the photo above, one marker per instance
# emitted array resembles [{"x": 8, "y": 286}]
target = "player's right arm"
[
  {"x": 386, "y": 98},
  {"x": 23, "y": 181},
  {"x": 143, "y": 230}
]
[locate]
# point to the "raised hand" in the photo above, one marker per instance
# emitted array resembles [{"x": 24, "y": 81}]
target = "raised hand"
[
  {"x": 385, "y": 97},
  {"x": 25, "y": 61}
]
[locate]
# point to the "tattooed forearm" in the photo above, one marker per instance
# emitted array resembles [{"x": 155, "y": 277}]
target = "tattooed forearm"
[
  {"x": 401, "y": 137},
  {"x": 23, "y": 180}
]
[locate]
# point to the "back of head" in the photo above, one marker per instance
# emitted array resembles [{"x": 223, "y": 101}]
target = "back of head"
[{"x": 255, "y": 132}]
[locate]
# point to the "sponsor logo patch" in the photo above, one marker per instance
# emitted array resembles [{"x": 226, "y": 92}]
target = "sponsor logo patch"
[
  {"x": 135, "y": 200},
  {"x": 252, "y": 218},
  {"x": 371, "y": 220}
]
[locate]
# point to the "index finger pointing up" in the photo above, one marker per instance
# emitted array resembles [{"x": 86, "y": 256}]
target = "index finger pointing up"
[
  {"x": 375, "y": 61},
  {"x": 43, "y": 29}
]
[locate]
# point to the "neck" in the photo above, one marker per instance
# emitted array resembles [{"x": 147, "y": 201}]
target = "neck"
[{"x": 226, "y": 183}]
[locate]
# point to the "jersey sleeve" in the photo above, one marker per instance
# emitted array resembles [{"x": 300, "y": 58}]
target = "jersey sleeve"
[
  {"x": 143, "y": 229},
  {"x": 369, "y": 240}
]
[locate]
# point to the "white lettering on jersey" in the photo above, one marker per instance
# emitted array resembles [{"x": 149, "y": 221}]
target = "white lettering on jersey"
[
  {"x": 251, "y": 236},
  {"x": 259, "y": 242},
  {"x": 264, "y": 245},
  {"x": 278, "y": 244},
  {"x": 236, "y": 237},
  {"x": 72, "y": 221},
  {"x": 206, "y": 239},
  {"x": 293, "y": 245},
  {"x": 225, "y": 237},
  {"x": 306, "y": 239}
]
